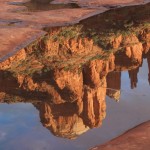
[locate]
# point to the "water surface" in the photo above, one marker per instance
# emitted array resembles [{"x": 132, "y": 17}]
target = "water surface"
[{"x": 80, "y": 86}]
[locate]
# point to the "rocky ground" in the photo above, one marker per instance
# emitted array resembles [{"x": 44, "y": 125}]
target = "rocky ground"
[{"x": 135, "y": 139}]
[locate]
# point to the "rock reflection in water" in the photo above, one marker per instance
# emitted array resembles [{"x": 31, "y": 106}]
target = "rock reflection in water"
[
  {"x": 114, "y": 85},
  {"x": 148, "y": 61},
  {"x": 79, "y": 108},
  {"x": 62, "y": 120},
  {"x": 67, "y": 74}
]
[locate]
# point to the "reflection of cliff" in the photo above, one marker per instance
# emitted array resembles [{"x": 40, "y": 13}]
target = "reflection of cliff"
[
  {"x": 133, "y": 77},
  {"x": 148, "y": 61},
  {"x": 62, "y": 119},
  {"x": 68, "y": 73},
  {"x": 69, "y": 102},
  {"x": 70, "y": 99},
  {"x": 114, "y": 85}
]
